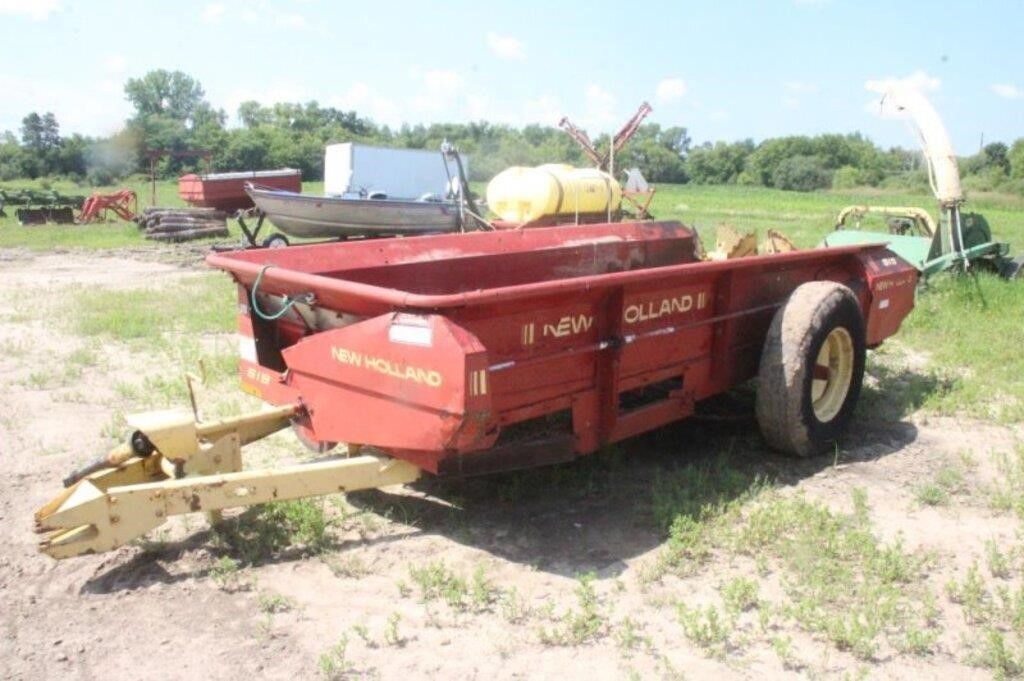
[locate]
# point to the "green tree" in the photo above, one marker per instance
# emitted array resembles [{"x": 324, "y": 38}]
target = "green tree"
[
  {"x": 173, "y": 94},
  {"x": 802, "y": 174},
  {"x": 718, "y": 163},
  {"x": 11, "y": 155},
  {"x": 40, "y": 137},
  {"x": 1016, "y": 159},
  {"x": 171, "y": 114},
  {"x": 40, "y": 133}
]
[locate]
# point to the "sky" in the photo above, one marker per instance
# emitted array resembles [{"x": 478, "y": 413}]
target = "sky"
[{"x": 725, "y": 70}]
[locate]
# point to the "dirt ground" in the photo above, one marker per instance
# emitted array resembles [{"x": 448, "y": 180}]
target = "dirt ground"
[{"x": 166, "y": 610}]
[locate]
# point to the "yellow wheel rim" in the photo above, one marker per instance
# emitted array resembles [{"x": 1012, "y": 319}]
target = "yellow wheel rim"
[{"x": 832, "y": 374}]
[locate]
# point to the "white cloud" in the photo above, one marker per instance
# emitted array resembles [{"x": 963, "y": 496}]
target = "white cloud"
[
  {"x": 260, "y": 14},
  {"x": 599, "y": 109},
  {"x": 479, "y": 107},
  {"x": 918, "y": 80},
  {"x": 798, "y": 87},
  {"x": 1007, "y": 91},
  {"x": 116, "y": 63},
  {"x": 442, "y": 81},
  {"x": 213, "y": 12},
  {"x": 506, "y": 47},
  {"x": 885, "y": 107},
  {"x": 791, "y": 102},
  {"x": 369, "y": 103},
  {"x": 263, "y": 16},
  {"x": 671, "y": 89},
  {"x": 92, "y": 112},
  {"x": 289, "y": 20},
  {"x": 440, "y": 89},
  {"x": 545, "y": 109},
  {"x": 36, "y": 10}
]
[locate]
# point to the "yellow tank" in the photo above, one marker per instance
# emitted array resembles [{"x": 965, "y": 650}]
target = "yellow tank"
[{"x": 521, "y": 194}]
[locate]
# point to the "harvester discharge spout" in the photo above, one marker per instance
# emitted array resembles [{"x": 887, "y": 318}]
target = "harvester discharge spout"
[{"x": 957, "y": 240}]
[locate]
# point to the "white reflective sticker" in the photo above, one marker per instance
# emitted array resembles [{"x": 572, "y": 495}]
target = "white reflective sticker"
[
  {"x": 883, "y": 303},
  {"x": 247, "y": 348},
  {"x": 411, "y": 334}
]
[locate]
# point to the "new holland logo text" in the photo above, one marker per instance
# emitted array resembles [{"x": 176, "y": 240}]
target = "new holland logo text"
[
  {"x": 653, "y": 309},
  {"x": 387, "y": 367},
  {"x": 569, "y": 326}
]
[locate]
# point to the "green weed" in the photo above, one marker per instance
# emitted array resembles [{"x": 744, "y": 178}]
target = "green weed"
[
  {"x": 333, "y": 663},
  {"x": 483, "y": 595},
  {"x": 271, "y": 603},
  {"x": 1007, "y": 492},
  {"x": 706, "y": 627},
  {"x": 628, "y": 635},
  {"x": 739, "y": 594},
  {"x": 226, "y": 573},
  {"x": 512, "y": 607},
  {"x": 932, "y": 495},
  {"x": 783, "y": 647},
  {"x": 999, "y": 563},
  {"x": 947, "y": 482},
  {"x": 997, "y": 655},
  {"x": 972, "y": 595},
  {"x": 391, "y": 634},
  {"x": 576, "y": 626},
  {"x": 363, "y": 632},
  {"x": 265, "y": 531},
  {"x": 436, "y": 581}
]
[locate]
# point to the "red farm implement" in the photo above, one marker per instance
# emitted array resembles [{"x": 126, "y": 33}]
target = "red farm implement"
[
  {"x": 455, "y": 355},
  {"x": 123, "y": 203}
]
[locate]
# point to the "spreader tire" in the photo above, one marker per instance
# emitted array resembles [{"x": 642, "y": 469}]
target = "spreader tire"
[{"x": 812, "y": 366}]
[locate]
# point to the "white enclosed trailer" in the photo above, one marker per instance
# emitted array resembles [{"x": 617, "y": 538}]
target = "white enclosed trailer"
[{"x": 352, "y": 169}]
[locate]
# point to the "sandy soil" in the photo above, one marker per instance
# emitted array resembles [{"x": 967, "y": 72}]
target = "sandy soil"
[{"x": 158, "y": 613}]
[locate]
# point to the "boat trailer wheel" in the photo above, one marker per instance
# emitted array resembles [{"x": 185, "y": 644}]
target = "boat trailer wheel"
[{"x": 276, "y": 241}]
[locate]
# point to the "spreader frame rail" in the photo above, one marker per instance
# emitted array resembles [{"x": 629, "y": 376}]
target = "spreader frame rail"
[{"x": 194, "y": 467}]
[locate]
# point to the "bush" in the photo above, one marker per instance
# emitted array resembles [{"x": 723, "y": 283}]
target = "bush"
[
  {"x": 988, "y": 180},
  {"x": 914, "y": 180},
  {"x": 1013, "y": 187},
  {"x": 846, "y": 177},
  {"x": 802, "y": 174}
]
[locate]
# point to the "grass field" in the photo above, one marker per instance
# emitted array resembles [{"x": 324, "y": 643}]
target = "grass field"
[{"x": 690, "y": 548}]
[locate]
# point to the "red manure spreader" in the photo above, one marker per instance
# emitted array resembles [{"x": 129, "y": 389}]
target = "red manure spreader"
[{"x": 473, "y": 353}]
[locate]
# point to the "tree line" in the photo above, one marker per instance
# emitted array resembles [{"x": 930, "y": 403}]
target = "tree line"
[{"x": 171, "y": 113}]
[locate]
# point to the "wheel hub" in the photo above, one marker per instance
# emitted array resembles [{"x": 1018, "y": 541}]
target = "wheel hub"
[{"x": 832, "y": 374}]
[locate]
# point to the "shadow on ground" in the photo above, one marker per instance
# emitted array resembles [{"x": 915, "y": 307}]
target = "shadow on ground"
[
  {"x": 600, "y": 511},
  {"x": 893, "y": 393}
]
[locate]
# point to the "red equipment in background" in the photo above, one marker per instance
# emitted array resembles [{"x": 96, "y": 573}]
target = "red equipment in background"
[
  {"x": 226, "y": 191},
  {"x": 125, "y": 203}
]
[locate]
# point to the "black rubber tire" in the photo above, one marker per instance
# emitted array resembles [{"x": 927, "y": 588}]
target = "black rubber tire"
[
  {"x": 276, "y": 241},
  {"x": 785, "y": 410},
  {"x": 1014, "y": 270}
]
